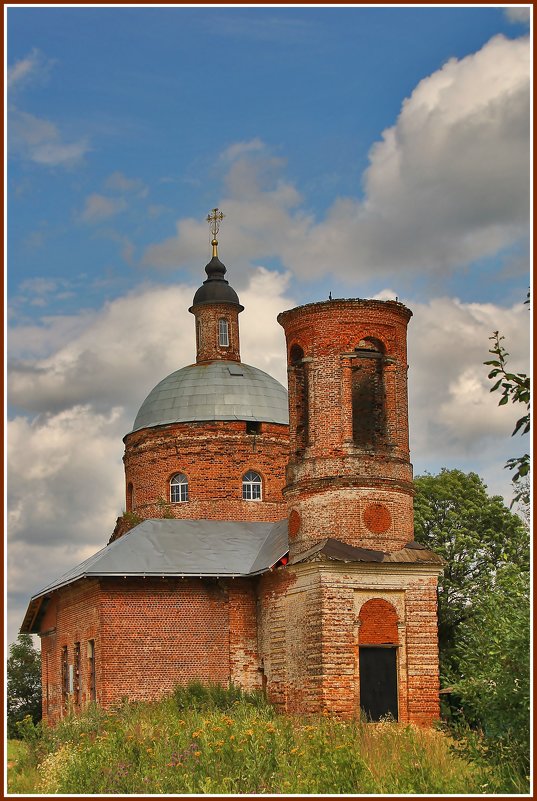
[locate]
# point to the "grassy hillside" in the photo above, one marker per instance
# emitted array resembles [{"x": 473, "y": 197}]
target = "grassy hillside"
[{"x": 210, "y": 740}]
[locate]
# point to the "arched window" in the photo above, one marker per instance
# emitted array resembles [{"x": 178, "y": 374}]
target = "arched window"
[
  {"x": 251, "y": 486},
  {"x": 179, "y": 488},
  {"x": 368, "y": 394},
  {"x": 223, "y": 333}
]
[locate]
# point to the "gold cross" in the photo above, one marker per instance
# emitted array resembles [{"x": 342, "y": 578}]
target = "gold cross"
[{"x": 214, "y": 219}]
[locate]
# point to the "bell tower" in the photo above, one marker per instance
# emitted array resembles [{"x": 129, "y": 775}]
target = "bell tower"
[{"x": 349, "y": 475}]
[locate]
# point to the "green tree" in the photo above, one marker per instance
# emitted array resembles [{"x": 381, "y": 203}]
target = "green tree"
[
  {"x": 23, "y": 683},
  {"x": 492, "y": 677},
  {"x": 475, "y": 533}
]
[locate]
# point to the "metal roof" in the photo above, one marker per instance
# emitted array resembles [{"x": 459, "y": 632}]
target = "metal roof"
[
  {"x": 185, "y": 548},
  {"x": 216, "y": 390},
  {"x": 332, "y": 548}
]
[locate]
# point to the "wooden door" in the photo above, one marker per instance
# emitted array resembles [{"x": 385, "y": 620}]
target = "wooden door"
[{"x": 378, "y": 682}]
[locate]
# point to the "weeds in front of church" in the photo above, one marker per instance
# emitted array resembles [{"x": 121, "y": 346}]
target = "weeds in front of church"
[{"x": 219, "y": 741}]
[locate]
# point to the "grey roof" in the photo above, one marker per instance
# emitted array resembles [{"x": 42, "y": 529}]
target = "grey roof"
[
  {"x": 339, "y": 551},
  {"x": 185, "y": 548},
  {"x": 216, "y": 289},
  {"x": 216, "y": 390}
]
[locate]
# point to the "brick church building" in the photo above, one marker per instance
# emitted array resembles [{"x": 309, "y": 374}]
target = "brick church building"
[{"x": 273, "y": 541}]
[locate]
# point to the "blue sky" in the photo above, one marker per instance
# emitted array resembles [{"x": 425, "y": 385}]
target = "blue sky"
[{"x": 370, "y": 152}]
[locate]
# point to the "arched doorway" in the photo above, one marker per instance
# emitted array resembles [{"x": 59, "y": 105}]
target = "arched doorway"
[{"x": 378, "y": 646}]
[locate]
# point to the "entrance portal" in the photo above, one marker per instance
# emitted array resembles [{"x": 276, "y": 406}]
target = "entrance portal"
[{"x": 378, "y": 682}]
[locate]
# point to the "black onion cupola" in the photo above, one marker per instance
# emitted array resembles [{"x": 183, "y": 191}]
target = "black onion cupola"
[{"x": 216, "y": 307}]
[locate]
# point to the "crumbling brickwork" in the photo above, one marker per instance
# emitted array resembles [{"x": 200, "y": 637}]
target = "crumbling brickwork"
[{"x": 347, "y": 364}]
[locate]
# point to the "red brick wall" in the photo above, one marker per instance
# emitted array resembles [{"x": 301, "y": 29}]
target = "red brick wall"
[
  {"x": 336, "y": 474},
  {"x": 243, "y": 645},
  {"x": 378, "y": 623},
  {"x": 422, "y": 652},
  {"x": 214, "y": 457},
  {"x": 157, "y": 633},
  {"x": 73, "y": 615},
  {"x": 207, "y": 345}
]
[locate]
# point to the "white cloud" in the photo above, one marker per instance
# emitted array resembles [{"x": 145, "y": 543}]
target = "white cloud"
[
  {"x": 447, "y": 184},
  {"x": 239, "y": 149},
  {"x": 33, "y": 67},
  {"x": 118, "y": 182},
  {"x": 518, "y": 13},
  {"x": 39, "y": 140},
  {"x": 453, "y": 415},
  {"x": 99, "y": 207}
]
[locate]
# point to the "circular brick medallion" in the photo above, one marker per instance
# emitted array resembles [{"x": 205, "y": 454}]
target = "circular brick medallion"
[
  {"x": 294, "y": 524},
  {"x": 377, "y": 518}
]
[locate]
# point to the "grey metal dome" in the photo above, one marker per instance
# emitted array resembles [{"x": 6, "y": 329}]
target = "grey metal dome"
[{"x": 217, "y": 390}]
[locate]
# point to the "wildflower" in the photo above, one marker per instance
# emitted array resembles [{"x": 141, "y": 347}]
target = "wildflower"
[
  {"x": 197, "y": 753},
  {"x": 196, "y": 734},
  {"x": 149, "y": 750},
  {"x": 249, "y": 732},
  {"x": 231, "y": 736},
  {"x": 294, "y": 750}
]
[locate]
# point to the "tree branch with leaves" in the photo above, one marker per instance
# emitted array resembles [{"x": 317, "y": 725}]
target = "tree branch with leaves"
[{"x": 514, "y": 388}]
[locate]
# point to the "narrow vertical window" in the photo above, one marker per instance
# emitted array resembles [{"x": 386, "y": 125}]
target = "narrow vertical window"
[
  {"x": 179, "y": 488},
  {"x": 368, "y": 395},
  {"x": 198, "y": 331},
  {"x": 76, "y": 671},
  {"x": 91, "y": 670},
  {"x": 301, "y": 401},
  {"x": 130, "y": 495},
  {"x": 251, "y": 486},
  {"x": 223, "y": 333},
  {"x": 65, "y": 676}
]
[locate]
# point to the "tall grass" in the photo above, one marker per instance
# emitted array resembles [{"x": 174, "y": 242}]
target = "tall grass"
[{"x": 214, "y": 740}]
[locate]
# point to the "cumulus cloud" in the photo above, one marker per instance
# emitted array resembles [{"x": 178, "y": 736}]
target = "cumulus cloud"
[
  {"x": 33, "y": 67},
  {"x": 34, "y": 138},
  {"x": 39, "y": 140},
  {"x": 518, "y": 13},
  {"x": 453, "y": 415},
  {"x": 447, "y": 184}
]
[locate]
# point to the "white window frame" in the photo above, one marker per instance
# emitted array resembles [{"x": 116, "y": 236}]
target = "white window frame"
[
  {"x": 252, "y": 486},
  {"x": 223, "y": 332},
  {"x": 179, "y": 488}
]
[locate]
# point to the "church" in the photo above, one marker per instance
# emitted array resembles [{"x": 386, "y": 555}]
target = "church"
[{"x": 267, "y": 539}]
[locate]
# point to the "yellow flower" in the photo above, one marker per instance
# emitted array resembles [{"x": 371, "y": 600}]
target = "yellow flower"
[
  {"x": 231, "y": 736},
  {"x": 149, "y": 750},
  {"x": 196, "y": 734},
  {"x": 197, "y": 753},
  {"x": 294, "y": 750},
  {"x": 249, "y": 732}
]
